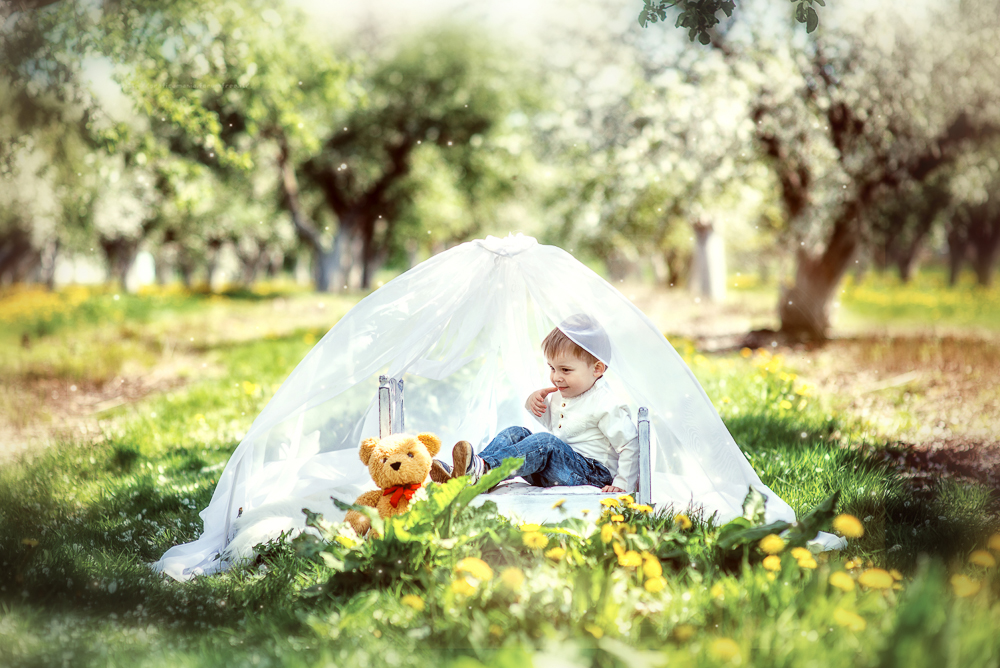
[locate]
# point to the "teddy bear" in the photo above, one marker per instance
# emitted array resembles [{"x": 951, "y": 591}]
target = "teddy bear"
[{"x": 399, "y": 465}]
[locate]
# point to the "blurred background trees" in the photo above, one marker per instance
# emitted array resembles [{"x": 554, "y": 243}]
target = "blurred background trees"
[{"x": 234, "y": 131}]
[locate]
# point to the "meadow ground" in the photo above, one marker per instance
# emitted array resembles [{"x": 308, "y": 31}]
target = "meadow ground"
[{"x": 119, "y": 412}]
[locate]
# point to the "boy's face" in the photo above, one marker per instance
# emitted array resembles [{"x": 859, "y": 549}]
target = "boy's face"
[{"x": 572, "y": 375}]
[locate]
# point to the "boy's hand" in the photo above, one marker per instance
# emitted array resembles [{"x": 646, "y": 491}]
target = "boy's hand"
[
  {"x": 612, "y": 488},
  {"x": 536, "y": 401}
]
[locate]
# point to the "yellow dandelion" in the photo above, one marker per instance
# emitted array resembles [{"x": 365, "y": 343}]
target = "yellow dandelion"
[
  {"x": 626, "y": 499},
  {"x": 630, "y": 559},
  {"x": 808, "y": 563},
  {"x": 848, "y": 526},
  {"x": 346, "y": 541},
  {"x": 875, "y": 578},
  {"x": 527, "y": 528},
  {"x": 851, "y": 620},
  {"x": 512, "y": 578},
  {"x": 413, "y": 601},
  {"x": 463, "y": 586},
  {"x": 965, "y": 586},
  {"x": 717, "y": 591},
  {"x": 607, "y": 533},
  {"x": 651, "y": 566},
  {"x": 534, "y": 540},
  {"x": 556, "y": 553},
  {"x": 725, "y": 649},
  {"x": 842, "y": 581},
  {"x": 801, "y": 553},
  {"x": 994, "y": 543},
  {"x": 617, "y": 518},
  {"x": 771, "y": 544},
  {"x": 477, "y": 568},
  {"x": 745, "y": 353},
  {"x": 785, "y": 404},
  {"x": 851, "y": 564},
  {"x": 982, "y": 558},
  {"x": 594, "y": 630},
  {"x": 610, "y": 502},
  {"x": 770, "y": 577},
  {"x": 619, "y": 550},
  {"x": 896, "y": 575},
  {"x": 772, "y": 562},
  {"x": 558, "y": 503},
  {"x": 684, "y": 632},
  {"x": 727, "y": 400},
  {"x": 654, "y": 585},
  {"x": 643, "y": 508},
  {"x": 683, "y": 521}
]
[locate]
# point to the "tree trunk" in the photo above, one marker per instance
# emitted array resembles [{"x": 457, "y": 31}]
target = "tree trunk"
[
  {"x": 47, "y": 266},
  {"x": 120, "y": 253},
  {"x": 708, "y": 267},
  {"x": 805, "y": 306},
  {"x": 985, "y": 237}
]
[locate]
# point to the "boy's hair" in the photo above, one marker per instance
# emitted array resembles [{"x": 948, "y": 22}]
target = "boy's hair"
[
  {"x": 557, "y": 343},
  {"x": 585, "y": 328}
]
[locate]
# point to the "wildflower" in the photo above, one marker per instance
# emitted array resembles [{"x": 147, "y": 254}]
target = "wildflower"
[
  {"x": 558, "y": 503},
  {"x": 654, "y": 585},
  {"x": 771, "y": 544},
  {"x": 30, "y": 542},
  {"x": 801, "y": 553},
  {"x": 610, "y": 502},
  {"x": 772, "y": 562},
  {"x": 683, "y": 521},
  {"x": 982, "y": 558},
  {"x": 994, "y": 543},
  {"x": 630, "y": 559},
  {"x": 745, "y": 353},
  {"x": 512, "y": 578},
  {"x": 851, "y": 620},
  {"x": 683, "y": 632},
  {"x": 463, "y": 586},
  {"x": 643, "y": 508},
  {"x": 849, "y": 526},
  {"x": 346, "y": 541},
  {"x": 477, "y": 568},
  {"x": 875, "y": 578},
  {"x": 964, "y": 585},
  {"x": 626, "y": 499},
  {"x": 617, "y": 518},
  {"x": 594, "y": 630},
  {"x": 727, "y": 400},
  {"x": 725, "y": 649},
  {"x": 808, "y": 562},
  {"x": 250, "y": 388},
  {"x": 717, "y": 591},
  {"x": 607, "y": 533},
  {"x": 534, "y": 540},
  {"x": 785, "y": 404},
  {"x": 842, "y": 581},
  {"x": 896, "y": 575},
  {"x": 413, "y": 601},
  {"x": 556, "y": 553},
  {"x": 527, "y": 528},
  {"x": 651, "y": 566}
]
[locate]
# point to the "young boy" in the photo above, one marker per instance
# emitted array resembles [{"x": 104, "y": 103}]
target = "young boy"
[{"x": 591, "y": 439}]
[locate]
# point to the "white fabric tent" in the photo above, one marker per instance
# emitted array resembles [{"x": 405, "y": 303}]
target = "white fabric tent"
[{"x": 463, "y": 329}]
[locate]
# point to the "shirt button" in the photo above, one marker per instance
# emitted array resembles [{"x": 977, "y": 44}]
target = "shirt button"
[
  {"x": 561, "y": 415},
  {"x": 564, "y": 404}
]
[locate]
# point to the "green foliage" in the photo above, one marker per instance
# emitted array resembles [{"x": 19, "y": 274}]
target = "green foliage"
[{"x": 699, "y": 16}]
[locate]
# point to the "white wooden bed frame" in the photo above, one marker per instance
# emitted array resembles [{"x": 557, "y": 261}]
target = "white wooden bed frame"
[{"x": 390, "y": 421}]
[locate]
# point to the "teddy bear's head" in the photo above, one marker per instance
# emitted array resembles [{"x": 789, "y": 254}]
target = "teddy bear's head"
[{"x": 399, "y": 459}]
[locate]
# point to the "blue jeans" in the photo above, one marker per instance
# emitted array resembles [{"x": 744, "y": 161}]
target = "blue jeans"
[{"x": 548, "y": 461}]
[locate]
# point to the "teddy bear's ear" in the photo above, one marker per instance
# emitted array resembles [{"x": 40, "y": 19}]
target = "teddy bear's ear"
[
  {"x": 431, "y": 442},
  {"x": 367, "y": 447}
]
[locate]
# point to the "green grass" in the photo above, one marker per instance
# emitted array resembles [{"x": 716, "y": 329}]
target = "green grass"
[{"x": 80, "y": 521}]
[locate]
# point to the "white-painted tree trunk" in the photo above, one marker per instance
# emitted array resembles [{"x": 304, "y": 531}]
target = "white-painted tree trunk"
[{"x": 708, "y": 267}]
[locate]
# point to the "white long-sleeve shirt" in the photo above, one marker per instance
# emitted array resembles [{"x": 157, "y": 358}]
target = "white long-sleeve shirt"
[{"x": 597, "y": 425}]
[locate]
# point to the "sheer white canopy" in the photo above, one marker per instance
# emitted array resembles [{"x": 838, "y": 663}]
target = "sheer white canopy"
[{"x": 464, "y": 329}]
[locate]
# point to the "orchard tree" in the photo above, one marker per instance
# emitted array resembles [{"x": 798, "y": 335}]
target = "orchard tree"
[{"x": 443, "y": 98}]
